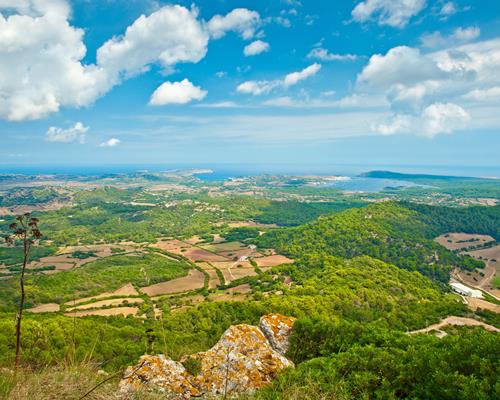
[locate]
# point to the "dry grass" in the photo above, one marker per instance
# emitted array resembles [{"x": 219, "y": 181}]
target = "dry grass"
[
  {"x": 194, "y": 280},
  {"x": 63, "y": 383},
  {"x": 43, "y": 308},
  {"x": 125, "y": 311},
  {"x": 272, "y": 261},
  {"x": 456, "y": 241},
  {"x": 127, "y": 290},
  {"x": 107, "y": 303}
]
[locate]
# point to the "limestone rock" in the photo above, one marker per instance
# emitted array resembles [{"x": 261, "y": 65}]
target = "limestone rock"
[
  {"x": 277, "y": 329},
  {"x": 161, "y": 374},
  {"x": 244, "y": 359}
]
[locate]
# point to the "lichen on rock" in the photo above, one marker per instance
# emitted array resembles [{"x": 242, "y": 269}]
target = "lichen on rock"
[
  {"x": 243, "y": 360},
  {"x": 277, "y": 328}
]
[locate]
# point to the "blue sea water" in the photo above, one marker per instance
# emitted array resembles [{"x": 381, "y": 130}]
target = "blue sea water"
[{"x": 221, "y": 172}]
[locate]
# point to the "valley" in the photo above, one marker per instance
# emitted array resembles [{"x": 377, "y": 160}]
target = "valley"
[{"x": 166, "y": 267}]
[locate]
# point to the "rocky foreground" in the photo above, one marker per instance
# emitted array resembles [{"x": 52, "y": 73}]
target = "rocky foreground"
[{"x": 244, "y": 359}]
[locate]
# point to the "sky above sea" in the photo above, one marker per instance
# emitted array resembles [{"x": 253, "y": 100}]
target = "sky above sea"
[{"x": 307, "y": 84}]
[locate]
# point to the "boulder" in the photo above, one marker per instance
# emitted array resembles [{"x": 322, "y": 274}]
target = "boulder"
[
  {"x": 160, "y": 374},
  {"x": 277, "y": 329},
  {"x": 244, "y": 359}
]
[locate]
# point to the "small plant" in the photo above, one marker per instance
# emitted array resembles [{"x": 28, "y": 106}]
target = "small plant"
[
  {"x": 26, "y": 231},
  {"x": 192, "y": 365}
]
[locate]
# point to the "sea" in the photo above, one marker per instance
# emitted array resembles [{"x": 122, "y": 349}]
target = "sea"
[{"x": 222, "y": 172}]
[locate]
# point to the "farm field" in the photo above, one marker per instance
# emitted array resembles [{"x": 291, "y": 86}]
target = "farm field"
[
  {"x": 134, "y": 261},
  {"x": 194, "y": 280},
  {"x": 461, "y": 241}
]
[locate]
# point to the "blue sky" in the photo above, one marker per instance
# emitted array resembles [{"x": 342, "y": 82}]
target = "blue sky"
[{"x": 377, "y": 82}]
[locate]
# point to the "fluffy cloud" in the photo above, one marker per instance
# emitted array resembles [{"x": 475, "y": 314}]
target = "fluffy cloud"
[
  {"x": 437, "y": 92},
  {"x": 168, "y": 36},
  {"x": 41, "y": 54},
  {"x": 438, "y": 118},
  {"x": 113, "y": 142},
  {"x": 459, "y": 35},
  {"x": 401, "y": 65},
  {"x": 388, "y": 12},
  {"x": 240, "y": 20},
  {"x": 177, "y": 93},
  {"x": 295, "y": 77},
  {"x": 257, "y": 88},
  {"x": 443, "y": 118},
  {"x": 75, "y": 133},
  {"x": 255, "y": 48},
  {"x": 324, "y": 55}
]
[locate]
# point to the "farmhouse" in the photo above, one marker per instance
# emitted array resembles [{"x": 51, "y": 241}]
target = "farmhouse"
[{"x": 465, "y": 290}]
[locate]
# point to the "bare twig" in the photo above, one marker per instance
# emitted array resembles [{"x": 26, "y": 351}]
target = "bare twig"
[{"x": 113, "y": 376}]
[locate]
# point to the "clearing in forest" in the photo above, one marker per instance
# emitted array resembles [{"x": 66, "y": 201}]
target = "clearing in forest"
[
  {"x": 272, "y": 261},
  {"x": 459, "y": 241}
]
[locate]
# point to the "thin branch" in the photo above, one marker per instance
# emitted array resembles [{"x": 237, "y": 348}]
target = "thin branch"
[{"x": 113, "y": 376}]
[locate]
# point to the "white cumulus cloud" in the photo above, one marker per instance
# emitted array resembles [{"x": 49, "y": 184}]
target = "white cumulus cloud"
[
  {"x": 113, "y": 142},
  {"x": 177, "y": 93},
  {"x": 295, "y": 77},
  {"x": 395, "y": 13},
  {"x": 255, "y": 48},
  {"x": 324, "y": 55},
  {"x": 443, "y": 118},
  {"x": 437, "y": 118},
  {"x": 241, "y": 20},
  {"x": 75, "y": 133},
  {"x": 41, "y": 53},
  {"x": 257, "y": 88}
]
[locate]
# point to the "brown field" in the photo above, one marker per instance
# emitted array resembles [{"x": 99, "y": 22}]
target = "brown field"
[
  {"x": 272, "y": 261},
  {"x": 194, "y": 280},
  {"x": 173, "y": 245},
  {"x": 223, "y": 247},
  {"x": 192, "y": 253},
  {"x": 195, "y": 254},
  {"x": 125, "y": 311},
  {"x": 214, "y": 279},
  {"x": 474, "y": 304},
  {"x": 241, "y": 253},
  {"x": 243, "y": 289},
  {"x": 491, "y": 256},
  {"x": 228, "y": 297},
  {"x": 101, "y": 250},
  {"x": 43, "y": 308},
  {"x": 107, "y": 303},
  {"x": 242, "y": 224},
  {"x": 456, "y": 241},
  {"x": 231, "y": 271},
  {"x": 127, "y": 290}
]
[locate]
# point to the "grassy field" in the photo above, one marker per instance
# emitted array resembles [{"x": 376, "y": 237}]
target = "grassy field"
[{"x": 103, "y": 275}]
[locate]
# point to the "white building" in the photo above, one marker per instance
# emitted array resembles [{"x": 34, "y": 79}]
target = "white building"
[{"x": 465, "y": 290}]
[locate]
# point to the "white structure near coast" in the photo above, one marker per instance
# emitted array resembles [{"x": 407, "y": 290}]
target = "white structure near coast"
[{"x": 465, "y": 290}]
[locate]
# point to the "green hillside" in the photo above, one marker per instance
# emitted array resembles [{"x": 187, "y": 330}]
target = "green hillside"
[{"x": 388, "y": 231}]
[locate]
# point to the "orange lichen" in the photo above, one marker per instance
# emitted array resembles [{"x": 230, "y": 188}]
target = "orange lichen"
[{"x": 243, "y": 360}]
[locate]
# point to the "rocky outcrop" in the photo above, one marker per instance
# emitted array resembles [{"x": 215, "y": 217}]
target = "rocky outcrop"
[
  {"x": 277, "y": 329},
  {"x": 244, "y": 359}
]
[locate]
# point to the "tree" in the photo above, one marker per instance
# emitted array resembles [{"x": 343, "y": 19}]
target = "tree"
[{"x": 24, "y": 230}]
